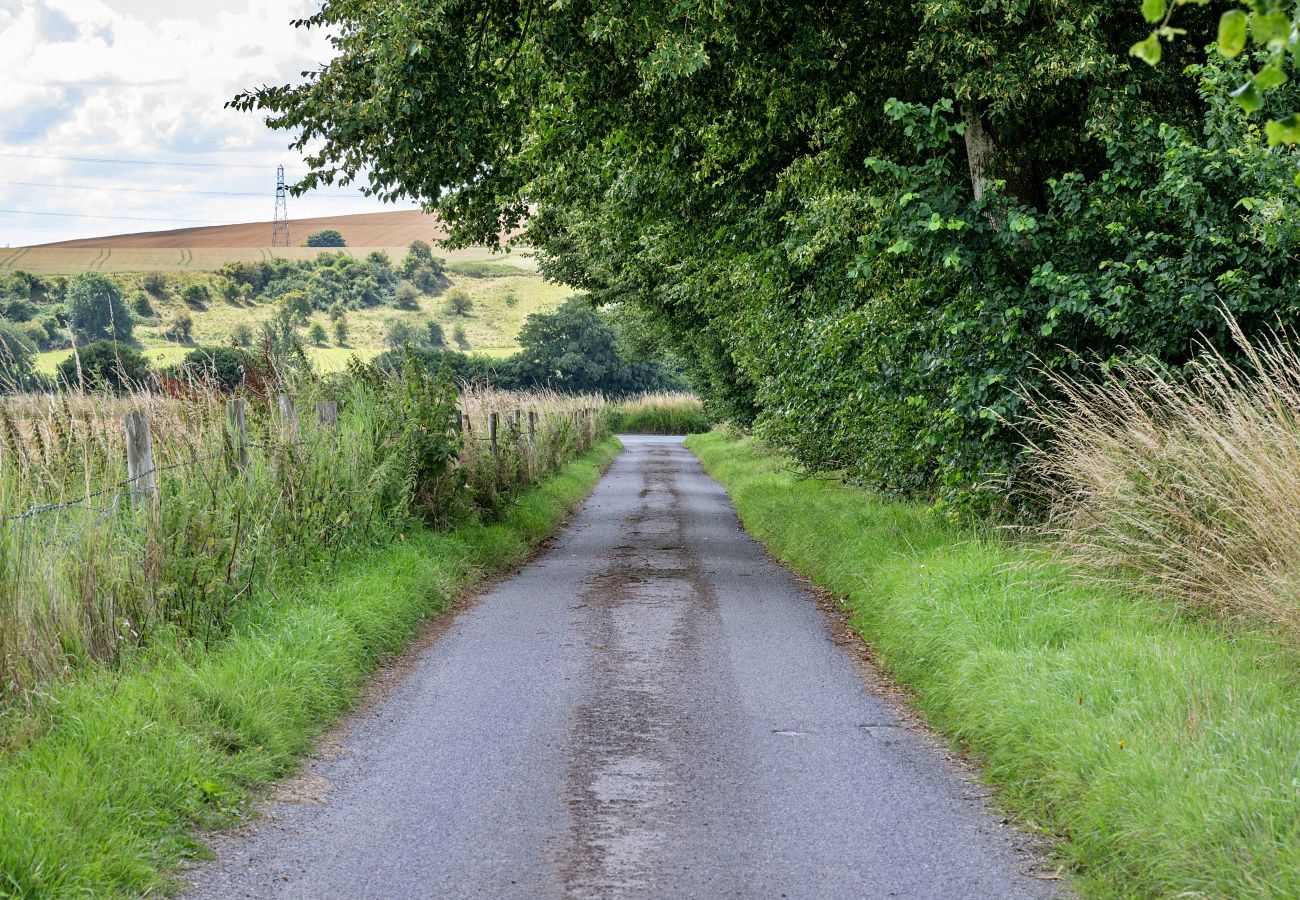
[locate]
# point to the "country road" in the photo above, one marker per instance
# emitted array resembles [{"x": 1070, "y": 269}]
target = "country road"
[{"x": 652, "y": 708}]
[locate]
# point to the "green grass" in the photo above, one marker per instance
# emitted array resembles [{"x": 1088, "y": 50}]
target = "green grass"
[
  {"x": 105, "y": 779},
  {"x": 1163, "y": 751}
]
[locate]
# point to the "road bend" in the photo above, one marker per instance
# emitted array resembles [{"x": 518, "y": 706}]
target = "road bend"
[{"x": 651, "y": 708}]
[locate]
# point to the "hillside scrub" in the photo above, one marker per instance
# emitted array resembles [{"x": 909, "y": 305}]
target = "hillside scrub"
[
  {"x": 1161, "y": 751},
  {"x": 1184, "y": 485},
  {"x": 87, "y": 576},
  {"x": 104, "y": 779}
]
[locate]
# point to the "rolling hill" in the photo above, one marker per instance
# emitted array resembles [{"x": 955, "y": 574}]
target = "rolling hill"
[{"x": 382, "y": 229}]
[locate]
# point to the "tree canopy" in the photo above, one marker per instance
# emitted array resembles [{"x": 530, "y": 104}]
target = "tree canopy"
[{"x": 866, "y": 228}]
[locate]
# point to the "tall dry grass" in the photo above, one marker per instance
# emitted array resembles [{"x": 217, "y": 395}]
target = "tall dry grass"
[
  {"x": 85, "y": 575},
  {"x": 1187, "y": 484},
  {"x": 661, "y": 413}
]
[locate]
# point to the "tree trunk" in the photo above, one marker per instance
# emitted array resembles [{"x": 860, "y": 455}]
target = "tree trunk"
[{"x": 981, "y": 151}]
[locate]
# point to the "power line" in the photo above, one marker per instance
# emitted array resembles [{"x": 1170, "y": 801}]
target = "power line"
[
  {"x": 28, "y": 212},
  {"x": 134, "y": 162},
  {"x": 128, "y": 190}
]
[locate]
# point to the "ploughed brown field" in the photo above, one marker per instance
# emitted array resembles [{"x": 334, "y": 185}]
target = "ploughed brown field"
[{"x": 383, "y": 229}]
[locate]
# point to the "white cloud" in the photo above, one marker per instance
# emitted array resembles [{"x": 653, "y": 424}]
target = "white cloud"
[{"x": 144, "y": 80}]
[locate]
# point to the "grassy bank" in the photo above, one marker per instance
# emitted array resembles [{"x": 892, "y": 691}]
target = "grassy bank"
[
  {"x": 104, "y": 778},
  {"x": 1166, "y": 755}
]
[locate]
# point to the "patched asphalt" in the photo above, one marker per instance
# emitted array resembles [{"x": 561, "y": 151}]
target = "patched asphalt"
[{"x": 651, "y": 708}]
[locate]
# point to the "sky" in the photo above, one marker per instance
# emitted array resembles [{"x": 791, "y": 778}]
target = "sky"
[{"x": 143, "y": 83}]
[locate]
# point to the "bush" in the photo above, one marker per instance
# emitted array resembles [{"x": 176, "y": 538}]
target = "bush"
[
  {"x": 458, "y": 335},
  {"x": 326, "y": 238},
  {"x": 241, "y": 335},
  {"x": 196, "y": 295},
  {"x": 458, "y": 302},
  {"x": 18, "y": 309},
  {"x": 399, "y": 334},
  {"x": 222, "y": 366},
  {"x": 340, "y": 332},
  {"x": 436, "y": 338},
  {"x": 105, "y": 365},
  {"x": 155, "y": 283},
  {"x": 16, "y": 351},
  {"x": 429, "y": 280},
  {"x": 407, "y": 297},
  {"x": 180, "y": 328},
  {"x": 141, "y": 306},
  {"x": 316, "y": 334},
  {"x": 96, "y": 310}
]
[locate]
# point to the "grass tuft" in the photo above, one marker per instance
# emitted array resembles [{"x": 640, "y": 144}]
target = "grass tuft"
[{"x": 660, "y": 413}]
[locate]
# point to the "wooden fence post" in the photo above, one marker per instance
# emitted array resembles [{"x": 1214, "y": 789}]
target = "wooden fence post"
[
  {"x": 327, "y": 414},
  {"x": 492, "y": 432},
  {"x": 288, "y": 418},
  {"x": 139, "y": 458},
  {"x": 238, "y": 431}
]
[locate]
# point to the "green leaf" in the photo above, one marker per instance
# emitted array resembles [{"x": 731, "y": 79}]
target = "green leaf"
[
  {"x": 1232, "y": 33},
  {"x": 1153, "y": 10},
  {"x": 1272, "y": 29},
  {"x": 1297, "y": 179},
  {"x": 1148, "y": 50},
  {"x": 1283, "y": 131},
  {"x": 1247, "y": 97},
  {"x": 1269, "y": 77}
]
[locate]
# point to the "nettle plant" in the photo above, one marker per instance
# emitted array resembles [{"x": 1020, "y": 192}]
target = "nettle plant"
[{"x": 1272, "y": 27}]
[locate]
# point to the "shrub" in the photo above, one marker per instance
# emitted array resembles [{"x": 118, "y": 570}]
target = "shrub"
[
  {"x": 458, "y": 302},
  {"x": 407, "y": 296},
  {"x": 297, "y": 306},
  {"x": 196, "y": 295},
  {"x": 19, "y": 309},
  {"x": 399, "y": 334},
  {"x": 155, "y": 283},
  {"x": 340, "y": 332},
  {"x": 428, "y": 279},
  {"x": 316, "y": 334},
  {"x": 241, "y": 335},
  {"x": 458, "y": 335},
  {"x": 96, "y": 310},
  {"x": 222, "y": 366},
  {"x": 510, "y": 298},
  {"x": 180, "y": 328},
  {"x": 436, "y": 337},
  {"x": 105, "y": 365},
  {"x": 141, "y": 306},
  {"x": 16, "y": 350},
  {"x": 326, "y": 238}
]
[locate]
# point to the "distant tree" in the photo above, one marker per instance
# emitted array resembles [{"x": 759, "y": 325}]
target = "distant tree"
[
  {"x": 241, "y": 335},
  {"x": 316, "y": 334},
  {"x": 428, "y": 279},
  {"x": 140, "y": 305},
  {"x": 458, "y": 302},
  {"x": 326, "y": 238},
  {"x": 104, "y": 365},
  {"x": 222, "y": 366},
  {"x": 337, "y": 311},
  {"x": 575, "y": 349},
  {"x": 155, "y": 283},
  {"x": 16, "y": 351},
  {"x": 398, "y": 334},
  {"x": 340, "y": 332},
  {"x": 96, "y": 310},
  {"x": 417, "y": 255},
  {"x": 37, "y": 335},
  {"x": 458, "y": 335},
  {"x": 180, "y": 328},
  {"x": 297, "y": 305},
  {"x": 436, "y": 337},
  {"x": 407, "y": 296},
  {"x": 196, "y": 294}
]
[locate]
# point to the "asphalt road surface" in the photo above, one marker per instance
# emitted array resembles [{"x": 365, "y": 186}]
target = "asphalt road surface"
[{"x": 652, "y": 708}]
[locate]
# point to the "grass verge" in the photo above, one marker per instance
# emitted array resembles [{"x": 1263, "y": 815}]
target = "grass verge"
[
  {"x": 1166, "y": 755},
  {"x": 105, "y": 781}
]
